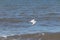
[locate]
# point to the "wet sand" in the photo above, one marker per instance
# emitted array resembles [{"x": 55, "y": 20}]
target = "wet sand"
[{"x": 36, "y": 36}]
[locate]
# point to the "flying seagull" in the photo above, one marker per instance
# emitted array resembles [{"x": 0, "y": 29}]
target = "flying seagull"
[{"x": 33, "y": 21}]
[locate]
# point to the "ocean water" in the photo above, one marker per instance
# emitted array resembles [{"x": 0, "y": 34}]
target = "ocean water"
[{"x": 16, "y": 14}]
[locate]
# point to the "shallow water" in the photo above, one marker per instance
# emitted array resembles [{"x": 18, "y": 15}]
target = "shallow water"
[{"x": 16, "y": 14}]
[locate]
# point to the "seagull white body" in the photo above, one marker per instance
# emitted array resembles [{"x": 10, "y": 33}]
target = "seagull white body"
[{"x": 33, "y": 21}]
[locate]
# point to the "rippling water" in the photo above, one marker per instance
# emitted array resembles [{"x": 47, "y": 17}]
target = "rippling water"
[{"x": 16, "y": 14}]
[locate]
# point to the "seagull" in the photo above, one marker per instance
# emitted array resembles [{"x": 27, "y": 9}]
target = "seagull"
[{"x": 33, "y": 21}]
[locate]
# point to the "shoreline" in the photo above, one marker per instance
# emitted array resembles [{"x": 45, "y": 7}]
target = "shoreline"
[{"x": 36, "y": 36}]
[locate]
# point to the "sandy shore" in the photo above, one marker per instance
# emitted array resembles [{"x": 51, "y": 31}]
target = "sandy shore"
[{"x": 37, "y": 36}]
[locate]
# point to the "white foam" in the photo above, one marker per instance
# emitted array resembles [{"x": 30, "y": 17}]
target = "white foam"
[
  {"x": 4, "y": 36},
  {"x": 43, "y": 33}
]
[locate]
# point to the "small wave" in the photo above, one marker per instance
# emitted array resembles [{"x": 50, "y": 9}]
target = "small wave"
[{"x": 12, "y": 20}]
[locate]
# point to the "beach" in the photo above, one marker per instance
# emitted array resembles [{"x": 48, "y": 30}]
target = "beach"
[{"x": 36, "y": 36}]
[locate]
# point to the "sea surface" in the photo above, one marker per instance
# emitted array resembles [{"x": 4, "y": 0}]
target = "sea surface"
[{"x": 15, "y": 16}]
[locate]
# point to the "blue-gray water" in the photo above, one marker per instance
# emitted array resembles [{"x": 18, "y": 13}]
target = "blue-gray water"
[{"x": 16, "y": 14}]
